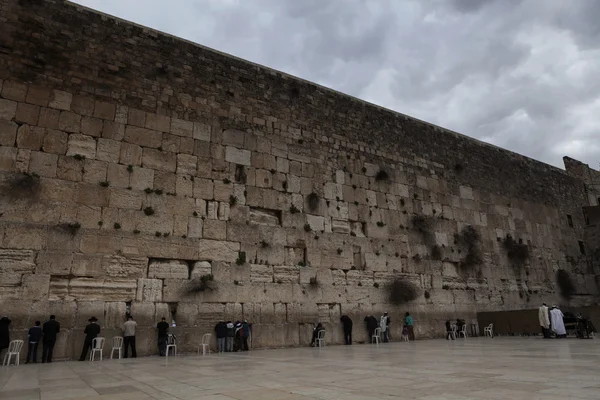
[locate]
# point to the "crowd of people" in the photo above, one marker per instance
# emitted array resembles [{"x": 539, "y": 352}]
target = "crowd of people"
[
  {"x": 371, "y": 324},
  {"x": 552, "y": 321},
  {"x": 232, "y": 336}
]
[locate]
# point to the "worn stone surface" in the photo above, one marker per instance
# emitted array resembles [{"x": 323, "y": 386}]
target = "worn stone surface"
[{"x": 152, "y": 177}]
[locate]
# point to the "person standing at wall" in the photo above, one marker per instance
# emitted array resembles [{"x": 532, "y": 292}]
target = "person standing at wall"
[
  {"x": 163, "y": 334},
  {"x": 92, "y": 330},
  {"x": 129, "y": 336},
  {"x": 449, "y": 333},
  {"x": 245, "y": 335},
  {"x": 221, "y": 333},
  {"x": 238, "y": 336},
  {"x": 34, "y": 336},
  {"x": 230, "y": 336},
  {"x": 49, "y": 331},
  {"x": 384, "y": 324},
  {"x": 558, "y": 324},
  {"x": 372, "y": 324},
  {"x": 409, "y": 322},
  {"x": 544, "y": 320},
  {"x": 4, "y": 335},
  {"x": 347, "y": 326}
]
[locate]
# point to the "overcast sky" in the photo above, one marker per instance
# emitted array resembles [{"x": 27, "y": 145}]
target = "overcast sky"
[{"x": 521, "y": 74}]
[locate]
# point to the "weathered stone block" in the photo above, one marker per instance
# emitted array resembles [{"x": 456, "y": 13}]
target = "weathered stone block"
[
  {"x": 202, "y": 131},
  {"x": 201, "y": 268},
  {"x": 186, "y": 164},
  {"x": 93, "y": 171},
  {"x": 8, "y": 109},
  {"x": 91, "y": 126},
  {"x": 8, "y": 133},
  {"x": 285, "y": 274},
  {"x": 38, "y": 95},
  {"x": 168, "y": 270},
  {"x": 215, "y": 229},
  {"x": 143, "y": 137},
  {"x": 180, "y": 127},
  {"x": 116, "y": 266},
  {"x": 14, "y": 264},
  {"x": 158, "y": 122},
  {"x": 261, "y": 273},
  {"x": 27, "y": 114},
  {"x": 81, "y": 145},
  {"x": 160, "y": 160},
  {"x": 149, "y": 290},
  {"x": 69, "y": 122},
  {"x": 108, "y": 150},
  {"x": 60, "y": 100},
  {"x": 69, "y": 168},
  {"x": 104, "y": 110},
  {"x": 8, "y": 158},
  {"x": 237, "y": 156},
  {"x": 55, "y": 142},
  {"x": 30, "y": 137}
]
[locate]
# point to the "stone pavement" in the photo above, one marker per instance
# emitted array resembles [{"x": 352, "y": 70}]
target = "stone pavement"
[{"x": 478, "y": 368}]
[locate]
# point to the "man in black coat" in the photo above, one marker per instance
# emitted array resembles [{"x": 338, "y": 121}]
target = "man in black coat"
[
  {"x": 49, "y": 332},
  {"x": 4, "y": 336},
  {"x": 372, "y": 324},
  {"x": 91, "y": 332},
  {"x": 163, "y": 334},
  {"x": 347, "y": 325}
]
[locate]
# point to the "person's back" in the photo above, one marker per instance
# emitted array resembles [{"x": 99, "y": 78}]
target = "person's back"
[
  {"x": 35, "y": 333},
  {"x": 163, "y": 328},
  {"x": 92, "y": 330},
  {"x": 50, "y": 330},
  {"x": 4, "y": 334},
  {"x": 221, "y": 330},
  {"x": 129, "y": 328}
]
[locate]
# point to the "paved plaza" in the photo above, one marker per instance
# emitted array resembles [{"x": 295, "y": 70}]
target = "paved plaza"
[{"x": 476, "y": 368}]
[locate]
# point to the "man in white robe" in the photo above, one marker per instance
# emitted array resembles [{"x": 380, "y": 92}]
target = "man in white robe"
[
  {"x": 384, "y": 321},
  {"x": 558, "y": 325},
  {"x": 544, "y": 320}
]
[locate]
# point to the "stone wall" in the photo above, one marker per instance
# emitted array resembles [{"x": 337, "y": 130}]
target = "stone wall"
[{"x": 135, "y": 165}]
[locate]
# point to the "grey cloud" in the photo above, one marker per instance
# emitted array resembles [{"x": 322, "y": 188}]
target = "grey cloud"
[{"x": 521, "y": 74}]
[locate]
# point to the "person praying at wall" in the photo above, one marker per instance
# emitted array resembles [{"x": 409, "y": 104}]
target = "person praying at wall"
[
  {"x": 245, "y": 335},
  {"x": 558, "y": 324},
  {"x": 34, "y": 336},
  {"x": 409, "y": 322},
  {"x": 372, "y": 324},
  {"x": 49, "y": 331},
  {"x": 230, "y": 336},
  {"x": 163, "y": 333},
  {"x": 221, "y": 334},
  {"x": 92, "y": 330},
  {"x": 347, "y": 326},
  {"x": 544, "y": 320},
  {"x": 384, "y": 324},
  {"x": 449, "y": 333},
  {"x": 4, "y": 335},
  {"x": 129, "y": 328},
  {"x": 238, "y": 336},
  {"x": 318, "y": 328}
]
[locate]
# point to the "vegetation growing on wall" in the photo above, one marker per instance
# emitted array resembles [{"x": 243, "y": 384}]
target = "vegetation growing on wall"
[
  {"x": 470, "y": 239},
  {"x": 402, "y": 291},
  {"x": 71, "y": 228},
  {"x": 201, "y": 284},
  {"x": 21, "y": 186},
  {"x": 517, "y": 252},
  {"x": 313, "y": 201},
  {"x": 382, "y": 175},
  {"x": 565, "y": 284}
]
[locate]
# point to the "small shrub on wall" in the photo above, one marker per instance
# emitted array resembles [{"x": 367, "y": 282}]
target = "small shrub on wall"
[
  {"x": 517, "y": 252},
  {"x": 565, "y": 284},
  {"x": 402, "y": 291}
]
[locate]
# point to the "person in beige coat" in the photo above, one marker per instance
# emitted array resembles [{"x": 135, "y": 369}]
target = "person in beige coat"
[{"x": 544, "y": 320}]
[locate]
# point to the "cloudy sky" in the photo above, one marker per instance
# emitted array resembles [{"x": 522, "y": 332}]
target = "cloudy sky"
[{"x": 521, "y": 74}]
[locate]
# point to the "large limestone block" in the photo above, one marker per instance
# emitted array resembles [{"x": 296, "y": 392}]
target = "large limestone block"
[
  {"x": 81, "y": 145},
  {"x": 261, "y": 273},
  {"x": 174, "y": 289},
  {"x": 201, "y": 268},
  {"x": 93, "y": 289},
  {"x": 218, "y": 250},
  {"x": 316, "y": 222},
  {"x": 114, "y": 314},
  {"x": 117, "y": 266},
  {"x": 69, "y": 122},
  {"x": 8, "y": 109},
  {"x": 86, "y": 265},
  {"x": 173, "y": 269},
  {"x": 15, "y": 263},
  {"x": 36, "y": 287},
  {"x": 237, "y": 156},
  {"x": 160, "y": 160},
  {"x": 143, "y": 137},
  {"x": 158, "y": 122},
  {"x": 183, "y": 128},
  {"x": 376, "y": 262},
  {"x": 54, "y": 263},
  {"x": 284, "y": 274},
  {"x": 29, "y": 137},
  {"x": 340, "y": 226},
  {"x": 215, "y": 229},
  {"x": 186, "y": 164},
  {"x": 149, "y": 290}
]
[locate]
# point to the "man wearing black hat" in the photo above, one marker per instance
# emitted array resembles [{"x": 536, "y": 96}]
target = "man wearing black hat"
[
  {"x": 91, "y": 331},
  {"x": 49, "y": 331}
]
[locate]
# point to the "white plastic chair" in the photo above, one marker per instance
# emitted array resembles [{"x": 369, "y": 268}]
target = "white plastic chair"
[
  {"x": 171, "y": 344},
  {"x": 463, "y": 331},
  {"x": 205, "y": 344},
  {"x": 14, "y": 349},
  {"x": 118, "y": 346},
  {"x": 321, "y": 338},
  {"x": 489, "y": 330},
  {"x": 376, "y": 335},
  {"x": 97, "y": 347}
]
